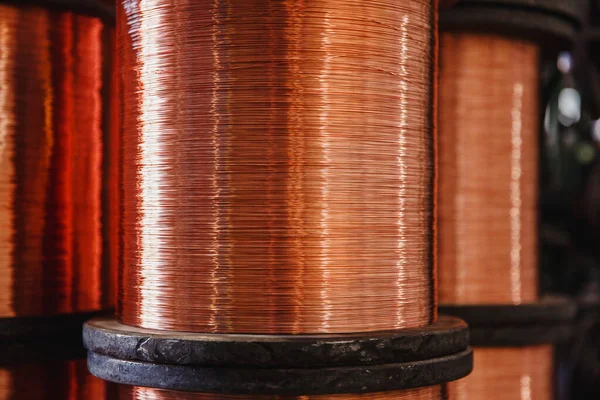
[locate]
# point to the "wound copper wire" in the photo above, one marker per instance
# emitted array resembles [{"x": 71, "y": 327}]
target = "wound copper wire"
[
  {"x": 111, "y": 194},
  {"x": 141, "y": 393},
  {"x": 507, "y": 373},
  {"x": 277, "y": 165},
  {"x": 61, "y": 380},
  {"x": 487, "y": 201},
  {"x": 51, "y": 111},
  {"x": 487, "y": 212}
]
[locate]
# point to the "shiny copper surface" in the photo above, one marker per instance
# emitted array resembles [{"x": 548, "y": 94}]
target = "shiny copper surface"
[
  {"x": 507, "y": 374},
  {"x": 65, "y": 380},
  {"x": 487, "y": 204},
  {"x": 277, "y": 165},
  {"x": 140, "y": 393},
  {"x": 111, "y": 195},
  {"x": 50, "y": 162},
  {"x": 487, "y": 200}
]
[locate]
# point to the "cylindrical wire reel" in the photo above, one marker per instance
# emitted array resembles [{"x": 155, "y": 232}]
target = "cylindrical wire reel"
[
  {"x": 277, "y": 208},
  {"x": 487, "y": 204},
  {"x": 55, "y": 60}
]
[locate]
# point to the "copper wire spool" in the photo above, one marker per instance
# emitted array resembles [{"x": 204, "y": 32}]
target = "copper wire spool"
[
  {"x": 507, "y": 373},
  {"x": 140, "y": 393},
  {"x": 277, "y": 173},
  {"x": 63, "y": 380},
  {"x": 51, "y": 121},
  {"x": 488, "y": 121},
  {"x": 487, "y": 203}
]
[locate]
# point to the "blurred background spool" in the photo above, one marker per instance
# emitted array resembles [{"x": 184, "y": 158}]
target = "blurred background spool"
[
  {"x": 487, "y": 200},
  {"x": 51, "y": 137},
  {"x": 53, "y": 92},
  {"x": 488, "y": 169},
  {"x": 276, "y": 170}
]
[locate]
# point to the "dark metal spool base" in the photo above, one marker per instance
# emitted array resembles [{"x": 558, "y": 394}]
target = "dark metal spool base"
[
  {"x": 93, "y": 8},
  {"x": 569, "y": 9},
  {"x": 33, "y": 339},
  {"x": 105, "y": 336},
  {"x": 279, "y": 364},
  {"x": 552, "y": 23},
  {"x": 293, "y": 382},
  {"x": 547, "y": 321}
]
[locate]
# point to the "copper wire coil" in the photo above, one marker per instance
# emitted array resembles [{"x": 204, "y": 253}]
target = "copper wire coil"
[
  {"x": 51, "y": 111},
  {"x": 141, "y": 393},
  {"x": 64, "y": 380},
  {"x": 507, "y": 373},
  {"x": 277, "y": 165},
  {"x": 111, "y": 194},
  {"x": 487, "y": 213},
  {"x": 487, "y": 202}
]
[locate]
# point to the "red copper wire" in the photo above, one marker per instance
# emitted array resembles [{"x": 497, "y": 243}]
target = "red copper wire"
[
  {"x": 50, "y": 162},
  {"x": 488, "y": 169},
  {"x": 140, "y": 393},
  {"x": 277, "y": 173},
  {"x": 487, "y": 200},
  {"x": 64, "y": 380}
]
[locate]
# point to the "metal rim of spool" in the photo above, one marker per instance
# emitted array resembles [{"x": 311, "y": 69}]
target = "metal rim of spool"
[
  {"x": 66, "y": 347},
  {"x": 545, "y": 322},
  {"x": 552, "y": 23},
  {"x": 108, "y": 337},
  {"x": 43, "y": 338},
  {"x": 279, "y": 364},
  {"x": 571, "y": 9},
  {"x": 293, "y": 382},
  {"x": 39, "y": 327},
  {"x": 92, "y": 8}
]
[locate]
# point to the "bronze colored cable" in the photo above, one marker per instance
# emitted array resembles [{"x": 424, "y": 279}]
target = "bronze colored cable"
[
  {"x": 487, "y": 200},
  {"x": 488, "y": 169},
  {"x": 507, "y": 373},
  {"x": 50, "y": 162},
  {"x": 277, "y": 165},
  {"x": 140, "y": 393},
  {"x": 64, "y": 380}
]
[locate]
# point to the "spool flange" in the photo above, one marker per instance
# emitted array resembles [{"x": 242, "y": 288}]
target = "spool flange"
[
  {"x": 42, "y": 338},
  {"x": 279, "y": 364},
  {"x": 548, "y": 321},
  {"x": 552, "y": 23}
]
